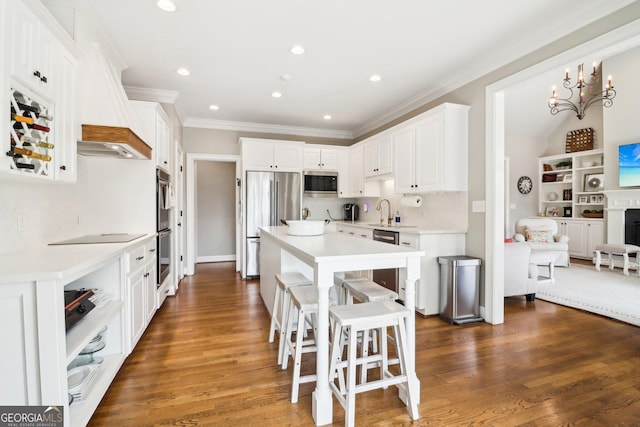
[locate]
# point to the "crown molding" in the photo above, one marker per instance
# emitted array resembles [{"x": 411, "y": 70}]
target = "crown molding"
[
  {"x": 266, "y": 128},
  {"x": 153, "y": 95}
]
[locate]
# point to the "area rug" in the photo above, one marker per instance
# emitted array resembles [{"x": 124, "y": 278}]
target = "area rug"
[{"x": 607, "y": 293}]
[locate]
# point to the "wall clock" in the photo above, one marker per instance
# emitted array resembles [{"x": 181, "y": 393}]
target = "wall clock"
[{"x": 525, "y": 185}]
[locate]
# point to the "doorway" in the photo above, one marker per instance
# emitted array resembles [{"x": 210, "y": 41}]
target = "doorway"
[
  {"x": 610, "y": 44},
  {"x": 192, "y": 231}
]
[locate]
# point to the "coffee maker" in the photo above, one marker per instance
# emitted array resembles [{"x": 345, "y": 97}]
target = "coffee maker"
[{"x": 351, "y": 211}]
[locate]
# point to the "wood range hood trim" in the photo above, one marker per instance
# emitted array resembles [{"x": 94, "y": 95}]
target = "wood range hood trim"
[{"x": 112, "y": 141}]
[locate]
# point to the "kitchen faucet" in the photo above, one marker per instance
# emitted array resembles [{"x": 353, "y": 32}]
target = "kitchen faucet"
[{"x": 379, "y": 208}]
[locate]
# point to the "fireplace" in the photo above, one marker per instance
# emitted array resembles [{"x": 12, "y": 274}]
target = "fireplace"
[
  {"x": 632, "y": 226},
  {"x": 623, "y": 216}
]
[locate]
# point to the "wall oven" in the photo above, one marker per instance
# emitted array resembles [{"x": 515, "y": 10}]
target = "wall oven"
[{"x": 163, "y": 216}]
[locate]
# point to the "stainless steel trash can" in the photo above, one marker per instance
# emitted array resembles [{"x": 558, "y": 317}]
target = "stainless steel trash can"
[{"x": 459, "y": 289}]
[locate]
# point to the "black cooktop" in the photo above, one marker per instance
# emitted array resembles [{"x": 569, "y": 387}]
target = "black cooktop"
[{"x": 100, "y": 238}]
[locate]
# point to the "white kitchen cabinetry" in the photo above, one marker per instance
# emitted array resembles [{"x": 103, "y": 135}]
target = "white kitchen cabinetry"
[
  {"x": 430, "y": 151},
  {"x": 38, "y": 84},
  {"x": 344, "y": 185},
  {"x": 378, "y": 156},
  {"x": 320, "y": 159},
  {"x": 357, "y": 185},
  {"x": 355, "y": 231},
  {"x": 584, "y": 235},
  {"x": 155, "y": 131},
  {"x": 141, "y": 289},
  {"x": 272, "y": 155},
  {"x": 37, "y": 349},
  {"x": 434, "y": 245}
]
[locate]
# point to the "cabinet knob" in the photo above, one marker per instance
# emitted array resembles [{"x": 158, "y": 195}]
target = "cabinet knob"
[
  {"x": 43, "y": 79},
  {"x": 63, "y": 167},
  {"x": 37, "y": 73},
  {"x": 139, "y": 258}
]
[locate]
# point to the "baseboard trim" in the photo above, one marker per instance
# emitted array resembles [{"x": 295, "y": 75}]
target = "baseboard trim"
[{"x": 216, "y": 258}]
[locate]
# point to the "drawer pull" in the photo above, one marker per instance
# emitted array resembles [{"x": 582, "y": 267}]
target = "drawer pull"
[{"x": 138, "y": 258}]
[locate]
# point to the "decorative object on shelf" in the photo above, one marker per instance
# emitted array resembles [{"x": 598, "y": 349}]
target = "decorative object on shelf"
[
  {"x": 592, "y": 214},
  {"x": 525, "y": 185},
  {"x": 566, "y": 212},
  {"x": 567, "y": 194},
  {"x": 547, "y": 167},
  {"x": 552, "y": 211},
  {"x": 549, "y": 177},
  {"x": 583, "y": 199},
  {"x": 579, "y": 140},
  {"x": 587, "y": 93},
  {"x": 567, "y": 178},
  {"x": 552, "y": 196},
  {"x": 594, "y": 182},
  {"x": 563, "y": 165},
  {"x": 593, "y": 199},
  {"x": 588, "y": 164},
  {"x": 600, "y": 198}
]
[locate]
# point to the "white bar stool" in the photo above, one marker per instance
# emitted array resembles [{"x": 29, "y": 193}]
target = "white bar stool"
[
  {"x": 304, "y": 301},
  {"x": 364, "y": 290},
  {"x": 285, "y": 282},
  {"x": 355, "y": 318}
]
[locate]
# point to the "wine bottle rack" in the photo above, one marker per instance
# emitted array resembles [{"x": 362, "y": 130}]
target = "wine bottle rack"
[{"x": 30, "y": 134}]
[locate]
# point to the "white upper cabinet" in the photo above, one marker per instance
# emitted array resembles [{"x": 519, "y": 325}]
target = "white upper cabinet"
[
  {"x": 378, "y": 156},
  {"x": 356, "y": 184},
  {"x": 34, "y": 50},
  {"x": 155, "y": 131},
  {"x": 320, "y": 159},
  {"x": 38, "y": 87},
  {"x": 272, "y": 155},
  {"x": 430, "y": 151}
]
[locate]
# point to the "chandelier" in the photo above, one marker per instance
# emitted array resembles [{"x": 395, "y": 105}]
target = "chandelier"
[{"x": 587, "y": 93}]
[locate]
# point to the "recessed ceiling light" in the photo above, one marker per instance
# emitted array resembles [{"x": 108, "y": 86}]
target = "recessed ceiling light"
[
  {"x": 297, "y": 50},
  {"x": 285, "y": 77},
  {"x": 276, "y": 94},
  {"x": 114, "y": 147},
  {"x": 327, "y": 117},
  {"x": 166, "y": 5},
  {"x": 213, "y": 107},
  {"x": 183, "y": 72},
  {"x": 375, "y": 78}
]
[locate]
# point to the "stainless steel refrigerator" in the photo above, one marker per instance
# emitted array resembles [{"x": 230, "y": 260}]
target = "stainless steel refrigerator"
[{"x": 271, "y": 196}]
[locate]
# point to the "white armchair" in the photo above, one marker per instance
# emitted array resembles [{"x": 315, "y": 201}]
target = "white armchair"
[
  {"x": 520, "y": 275},
  {"x": 541, "y": 234}
]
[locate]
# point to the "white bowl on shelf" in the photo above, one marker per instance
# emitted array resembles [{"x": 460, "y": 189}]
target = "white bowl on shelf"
[{"x": 588, "y": 164}]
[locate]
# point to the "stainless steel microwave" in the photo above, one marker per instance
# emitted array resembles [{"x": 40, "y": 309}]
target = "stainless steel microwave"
[{"x": 320, "y": 184}]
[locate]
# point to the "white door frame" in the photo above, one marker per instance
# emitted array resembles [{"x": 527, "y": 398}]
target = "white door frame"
[
  {"x": 192, "y": 158},
  {"x": 609, "y": 44}
]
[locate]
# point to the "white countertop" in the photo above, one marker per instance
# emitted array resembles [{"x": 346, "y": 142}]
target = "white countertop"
[
  {"x": 332, "y": 246},
  {"x": 58, "y": 262},
  {"x": 403, "y": 228}
]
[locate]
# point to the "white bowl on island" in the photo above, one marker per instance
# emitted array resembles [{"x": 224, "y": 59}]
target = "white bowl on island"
[{"x": 305, "y": 227}]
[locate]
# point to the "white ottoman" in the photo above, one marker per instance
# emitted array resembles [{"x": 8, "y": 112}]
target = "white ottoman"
[{"x": 620, "y": 249}]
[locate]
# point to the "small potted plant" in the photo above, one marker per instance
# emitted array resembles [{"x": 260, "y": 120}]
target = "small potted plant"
[{"x": 565, "y": 164}]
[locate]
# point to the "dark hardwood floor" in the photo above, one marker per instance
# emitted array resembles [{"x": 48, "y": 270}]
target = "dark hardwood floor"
[{"x": 205, "y": 360}]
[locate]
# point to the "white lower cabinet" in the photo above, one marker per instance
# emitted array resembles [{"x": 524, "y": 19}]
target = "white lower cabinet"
[
  {"x": 141, "y": 289},
  {"x": 428, "y": 287},
  {"x": 584, "y": 235}
]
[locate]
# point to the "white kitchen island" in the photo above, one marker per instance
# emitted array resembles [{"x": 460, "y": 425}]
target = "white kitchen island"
[{"x": 320, "y": 257}]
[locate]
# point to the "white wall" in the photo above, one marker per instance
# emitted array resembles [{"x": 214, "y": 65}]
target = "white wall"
[
  {"x": 215, "y": 211},
  {"x": 622, "y": 120}
]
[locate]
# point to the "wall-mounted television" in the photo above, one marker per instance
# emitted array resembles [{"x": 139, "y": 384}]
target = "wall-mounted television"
[{"x": 629, "y": 165}]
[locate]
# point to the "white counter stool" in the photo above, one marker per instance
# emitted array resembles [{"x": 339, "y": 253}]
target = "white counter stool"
[
  {"x": 354, "y": 318},
  {"x": 285, "y": 281},
  {"x": 364, "y": 290},
  {"x": 304, "y": 302}
]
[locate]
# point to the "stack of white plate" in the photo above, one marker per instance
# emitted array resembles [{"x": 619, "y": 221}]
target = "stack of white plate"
[
  {"x": 99, "y": 298},
  {"x": 80, "y": 379}
]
